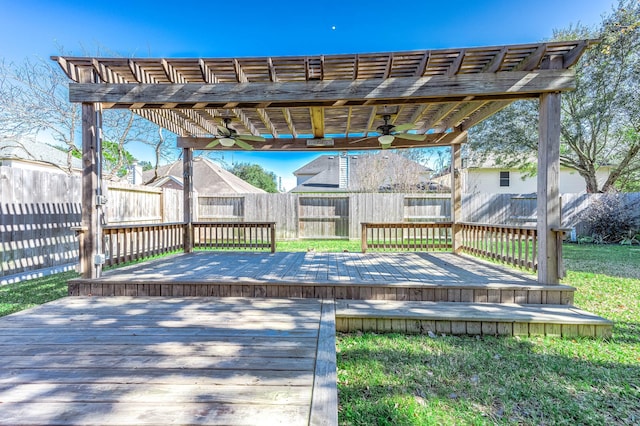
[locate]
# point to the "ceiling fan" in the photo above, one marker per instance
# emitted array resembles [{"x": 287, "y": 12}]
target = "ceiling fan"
[
  {"x": 388, "y": 133},
  {"x": 228, "y": 137}
]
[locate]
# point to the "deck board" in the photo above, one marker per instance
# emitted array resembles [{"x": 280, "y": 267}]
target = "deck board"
[
  {"x": 438, "y": 268},
  {"x": 139, "y": 361},
  {"x": 560, "y": 314}
]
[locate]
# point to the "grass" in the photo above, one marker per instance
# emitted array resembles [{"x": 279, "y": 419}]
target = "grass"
[
  {"x": 319, "y": 245},
  {"x": 27, "y": 294},
  {"x": 417, "y": 380}
]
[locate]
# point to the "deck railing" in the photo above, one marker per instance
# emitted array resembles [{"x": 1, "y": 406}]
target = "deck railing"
[
  {"x": 407, "y": 236},
  {"x": 515, "y": 245},
  {"x": 125, "y": 243},
  {"x": 235, "y": 235}
]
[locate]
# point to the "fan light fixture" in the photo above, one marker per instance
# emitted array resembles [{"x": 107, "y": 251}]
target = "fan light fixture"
[
  {"x": 386, "y": 140},
  {"x": 227, "y": 142}
]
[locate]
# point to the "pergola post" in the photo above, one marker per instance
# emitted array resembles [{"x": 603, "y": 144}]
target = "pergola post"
[
  {"x": 187, "y": 179},
  {"x": 456, "y": 196},
  {"x": 91, "y": 258},
  {"x": 548, "y": 200}
]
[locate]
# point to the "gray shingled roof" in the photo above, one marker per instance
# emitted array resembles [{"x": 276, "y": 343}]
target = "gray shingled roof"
[
  {"x": 209, "y": 178},
  {"x": 32, "y": 150}
]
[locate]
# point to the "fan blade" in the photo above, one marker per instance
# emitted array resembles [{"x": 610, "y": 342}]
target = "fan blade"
[
  {"x": 213, "y": 143},
  {"x": 404, "y": 127},
  {"x": 252, "y": 138},
  {"x": 362, "y": 139},
  {"x": 243, "y": 144},
  {"x": 411, "y": 136},
  {"x": 224, "y": 131}
]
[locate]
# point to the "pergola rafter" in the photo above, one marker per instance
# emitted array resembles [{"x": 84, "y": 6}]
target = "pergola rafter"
[{"x": 261, "y": 93}]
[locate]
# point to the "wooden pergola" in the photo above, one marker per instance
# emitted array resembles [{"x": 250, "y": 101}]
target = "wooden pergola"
[{"x": 326, "y": 102}]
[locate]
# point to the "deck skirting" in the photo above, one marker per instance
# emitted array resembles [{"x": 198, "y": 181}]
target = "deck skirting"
[{"x": 486, "y": 293}]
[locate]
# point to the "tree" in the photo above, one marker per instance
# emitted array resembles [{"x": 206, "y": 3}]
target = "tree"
[
  {"x": 600, "y": 119},
  {"x": 256, "y": 176},
  {"x": 388, "y": 171},
  {"x": 34, "y": 99}
]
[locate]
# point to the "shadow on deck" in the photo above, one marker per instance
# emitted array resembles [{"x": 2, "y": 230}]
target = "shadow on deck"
[
  {"x": 434, "y": 277},
  {"x": 154, "y": 361},
  {"x": 382, "y": 292}
]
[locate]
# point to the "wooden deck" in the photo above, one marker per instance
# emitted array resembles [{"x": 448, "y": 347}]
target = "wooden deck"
[
  {"x": 468, "y": 318},
  {"x": 154, "y": 361},
  {"x": 416, "y": 276}
]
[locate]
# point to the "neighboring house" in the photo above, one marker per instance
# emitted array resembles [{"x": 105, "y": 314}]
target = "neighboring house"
[
  {"x": 381, "y": 172},
  {"x": 512, "y": 181},
  {"x": 490, "y": 178},
  {"x": 208, "y": 178},
  {"x": 33, "y": 155}
]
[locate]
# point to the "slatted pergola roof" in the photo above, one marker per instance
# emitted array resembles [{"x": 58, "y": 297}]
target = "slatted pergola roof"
[{"x": 292, "y": 100}]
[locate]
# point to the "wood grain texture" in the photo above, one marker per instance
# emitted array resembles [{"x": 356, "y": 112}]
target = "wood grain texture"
[
  {"x": 201, "y": 361},
  {"x": 324, "y": 403},
  {"x": 506, "y": 85}
]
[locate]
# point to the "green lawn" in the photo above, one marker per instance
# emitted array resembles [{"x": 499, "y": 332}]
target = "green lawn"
[
  {"x": 417, "y": 380},
  {"x": 319, "y": 245},
  {"x": 27, "y": 294}
]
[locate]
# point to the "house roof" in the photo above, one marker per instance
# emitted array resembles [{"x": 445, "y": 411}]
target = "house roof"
[
  {"x": 317, "y": 165},
  {"x": 161, "y": 181},
  {"x": 325, "y": 171},
  {"x": 31, "y": 150},
  {"x": 208, "y": 178},
  {"x": 291, "y": 99}
]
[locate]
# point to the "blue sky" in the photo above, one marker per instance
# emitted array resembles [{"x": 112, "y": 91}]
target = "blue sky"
[{"x": 31, "y": 28}]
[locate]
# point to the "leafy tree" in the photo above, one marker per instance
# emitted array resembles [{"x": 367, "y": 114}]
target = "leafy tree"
[
  {"x": 146, "y": 165},
  {"x": 114, "y": 159},
  {"x": 256, "y": 176},
  {"x": 600, "y": 119}
]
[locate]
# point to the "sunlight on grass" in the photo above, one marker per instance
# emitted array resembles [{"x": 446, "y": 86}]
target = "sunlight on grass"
[
  {"x": 418, "y": 380},
  {"x": 334, "y": 246},
  {"x": 27, "y": 294}
]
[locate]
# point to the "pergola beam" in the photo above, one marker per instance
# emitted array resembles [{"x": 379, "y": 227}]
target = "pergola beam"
[
  {"x": 391, "y": 90},
  {"x": 339, "y": 144}
]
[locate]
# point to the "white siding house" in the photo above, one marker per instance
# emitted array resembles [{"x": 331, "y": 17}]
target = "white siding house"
[{"x": 497, "y": 180}]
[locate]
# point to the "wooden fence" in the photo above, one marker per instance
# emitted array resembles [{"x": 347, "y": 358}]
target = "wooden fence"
[{"x": 38, "y": 210}]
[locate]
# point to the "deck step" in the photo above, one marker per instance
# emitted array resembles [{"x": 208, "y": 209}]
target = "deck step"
[
  {"x": 469, "y": 318},
  {"x": 398, "y": 291}
]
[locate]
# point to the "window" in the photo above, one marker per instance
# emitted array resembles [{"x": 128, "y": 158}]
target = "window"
[{"x": 504, "y": 178}]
